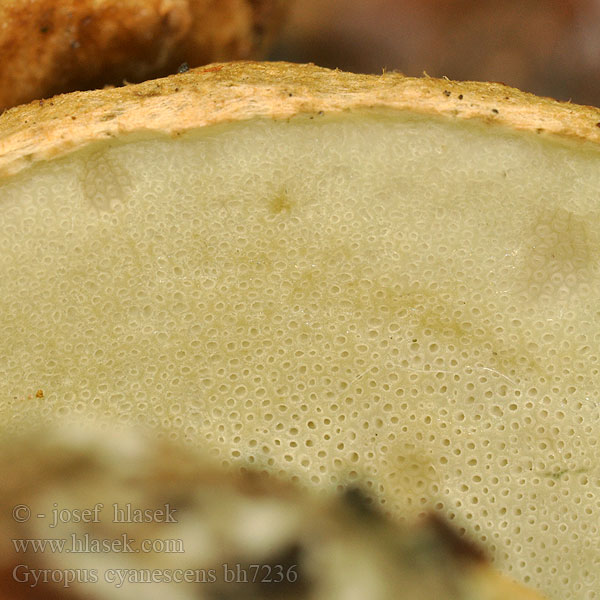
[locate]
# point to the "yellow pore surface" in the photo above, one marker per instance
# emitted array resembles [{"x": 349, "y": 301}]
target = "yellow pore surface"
[{"x": 406, "y": 302}]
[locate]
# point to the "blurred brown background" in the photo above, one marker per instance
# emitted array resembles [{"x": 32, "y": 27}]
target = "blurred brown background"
[{"x": 549, "y": 47}]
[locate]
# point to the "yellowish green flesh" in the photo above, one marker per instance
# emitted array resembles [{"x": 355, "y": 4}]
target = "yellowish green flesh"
[{"x": 407, "y": 302}]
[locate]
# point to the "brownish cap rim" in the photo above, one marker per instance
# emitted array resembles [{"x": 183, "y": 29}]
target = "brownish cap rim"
[{"x": 226, "y": 92}]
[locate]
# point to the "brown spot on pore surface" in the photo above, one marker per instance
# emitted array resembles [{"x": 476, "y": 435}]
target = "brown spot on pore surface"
[{"x": 281, "y": 202}]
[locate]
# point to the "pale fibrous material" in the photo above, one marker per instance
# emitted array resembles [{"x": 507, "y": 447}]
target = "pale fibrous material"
[
  {"x": 131, "y": 517},
  {"x": 402, "y": 297}
]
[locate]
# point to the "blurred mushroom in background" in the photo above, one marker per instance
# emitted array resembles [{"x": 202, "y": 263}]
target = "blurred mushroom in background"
[
  {"x": 548, "y": 47},
  {"x": 49, "y": 46}
]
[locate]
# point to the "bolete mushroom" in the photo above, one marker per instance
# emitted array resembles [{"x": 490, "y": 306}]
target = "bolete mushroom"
[{"x": 330, "y": 277}]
